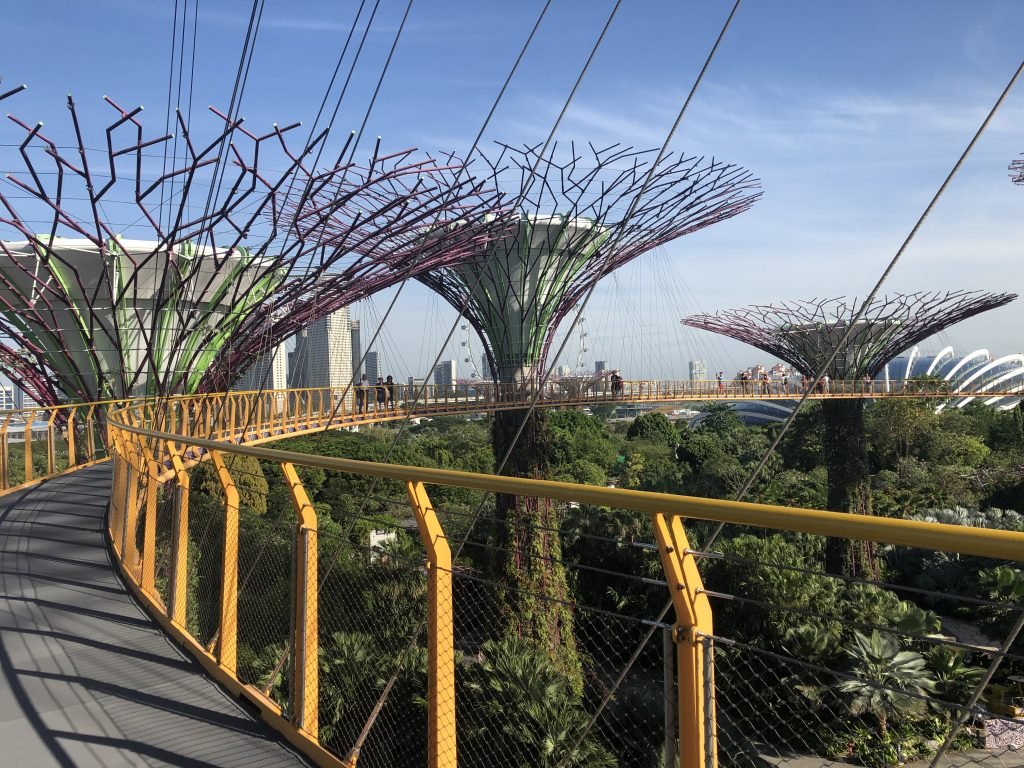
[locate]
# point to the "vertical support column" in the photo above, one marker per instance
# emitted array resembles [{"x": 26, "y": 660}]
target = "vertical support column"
[
  {"x": 232, "y": 418},
  {"x": 4, "y": 454},
  {"x": 90, "y": 438},
  {"x": 148, "y": 580},
  {"x": 179, "y": 542},
  {"x": 693, "y": 621},
  {"x": 305, "y": 592},
  {"x": 441, "y": 752},
  {"x": 118, "y": 494},
  {"x": 129, "y": 551},
  {"x": 51, "y": 443},
  {"x": 72, "y": 459},
  {"x": 27, "y": 435},
  {"x": 227, "y": 653}
]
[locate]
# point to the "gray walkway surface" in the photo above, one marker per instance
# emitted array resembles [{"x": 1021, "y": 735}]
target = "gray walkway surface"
[{"x": 86, "y": 679}]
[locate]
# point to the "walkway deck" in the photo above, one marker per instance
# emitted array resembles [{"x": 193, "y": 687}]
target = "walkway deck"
[{"x": 87, "y": 678}]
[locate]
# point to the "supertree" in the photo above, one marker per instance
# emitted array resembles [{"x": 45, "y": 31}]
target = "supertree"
[
  {"x": 806, "y": 334},
  {"x": 578, "y": 215},
  {"x": 1017, "y": 171},
  {"x": 217, "y": 267}
]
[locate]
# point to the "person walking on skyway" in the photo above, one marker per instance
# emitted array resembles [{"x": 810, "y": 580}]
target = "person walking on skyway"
[
  {"x": 361, "y": 389},
  {"x": 721, "y": 384},
  {"x": 382, "y": 394},
  {"x": 390, "y": 386}
]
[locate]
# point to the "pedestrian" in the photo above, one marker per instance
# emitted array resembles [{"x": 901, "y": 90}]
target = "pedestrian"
[
  {"x": 391, "y": 386},
  {"x": 618, "y": 384},
  {"x": 803, "y": 381},
  {"x": 721, "y": 384},
  {"x": 361, "y": 390},
  {"x": 382, "y": 394},
  {"x": 766, "y": 384},
  {"x": 868, "y": 384},
  {"x": 824, "y": 381}
]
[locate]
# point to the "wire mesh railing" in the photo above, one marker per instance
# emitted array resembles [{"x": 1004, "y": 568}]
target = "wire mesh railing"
[
  {"x": 37, "y": 443},
  {"x": 811, "y": 667},
  {"x": 562, "y": 625}
]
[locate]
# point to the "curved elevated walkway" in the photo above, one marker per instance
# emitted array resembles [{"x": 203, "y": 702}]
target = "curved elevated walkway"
[{"x": 87, "y": 678}]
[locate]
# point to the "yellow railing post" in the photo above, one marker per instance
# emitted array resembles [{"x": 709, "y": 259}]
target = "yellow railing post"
[
  {"x": 4, "y": 454},
  {"x": 179, "y": 544},
  {"x": 27, "y": 435},
  {"x": 697, "y": 728},
  {"x": 148, "y": 581},
  {"x": 305, "y": 602},
  {"x": 229, "y": 573},
  {"x": 441, "y": 752},
  {"x": 72, "y": 460},
  {"x": 51, "y": 443}
]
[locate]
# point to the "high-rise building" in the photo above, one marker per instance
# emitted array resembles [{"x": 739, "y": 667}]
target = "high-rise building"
[
  {"x": 563, "y": 371},
  {"x": 446, "y": 373},
  {"x": 485, "y": 367},
  {"x": 7, "y": 397},
  {"x": 21, "y": 399},
  {"x": 698, "y": 370},
  {"x": 269, "y": 372},
  {"x": 373, "y": 365},
  {"x": 357, "y": 348},
  {"x": 323, "y": 354},
  {"x": 600, "y": 365}
]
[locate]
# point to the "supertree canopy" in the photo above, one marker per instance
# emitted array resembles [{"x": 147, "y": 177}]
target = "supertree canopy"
[
  {"x": 224, "y": 259},
  {"x": 806, "y": 334},
  {"x": 578, "y": 219},
  {"x": 1017, "y": 171}
]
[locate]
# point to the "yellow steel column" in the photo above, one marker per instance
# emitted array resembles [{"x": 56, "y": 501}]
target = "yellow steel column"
[
  {"x": 229, "y": 575},
  {"x": 148, "y": 580},
  {"x": 51, "y": 444},
  {"x": 305, "y": 641},
  {"x": 441, "y": 752},
  {"x": 693, "y": 619},
  {"x": 90, "y": 438},
  {"x": 27, "y": 435},
  {"x": 179, "y": 542},
  {"x": 119, "y": 492},
  {"x": 71, "y": 437},
  {"x": 129, "y": 553},
  {"x": 4, "y": 454}
]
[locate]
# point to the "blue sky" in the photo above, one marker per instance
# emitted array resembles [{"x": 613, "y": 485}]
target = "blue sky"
[{"x": 851, "y": 113}]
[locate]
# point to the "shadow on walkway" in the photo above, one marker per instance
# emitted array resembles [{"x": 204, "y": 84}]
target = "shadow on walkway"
[{"x": 87, "y": 678}]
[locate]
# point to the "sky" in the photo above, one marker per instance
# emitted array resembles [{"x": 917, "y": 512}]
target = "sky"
[{"x": 850, "y": 113}]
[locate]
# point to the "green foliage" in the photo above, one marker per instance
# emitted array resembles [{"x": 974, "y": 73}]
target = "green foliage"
[
  {"x": 654, "y": 427},
  {"x": 802, "y": 447},
  {"x": 523, "y": 713},
  {"x": 793, "y": 488},
  {"x": 247, "y": 475},
  {"x": 889, "y": 680},
  {"x": 573, "y": 436},
  {"x": 764, "y": 586}
]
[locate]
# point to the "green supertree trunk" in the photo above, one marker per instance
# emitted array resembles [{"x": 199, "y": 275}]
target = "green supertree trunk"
[
  {"x": 535, "y": 598},
  {"x": 846, "y": 459}
]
